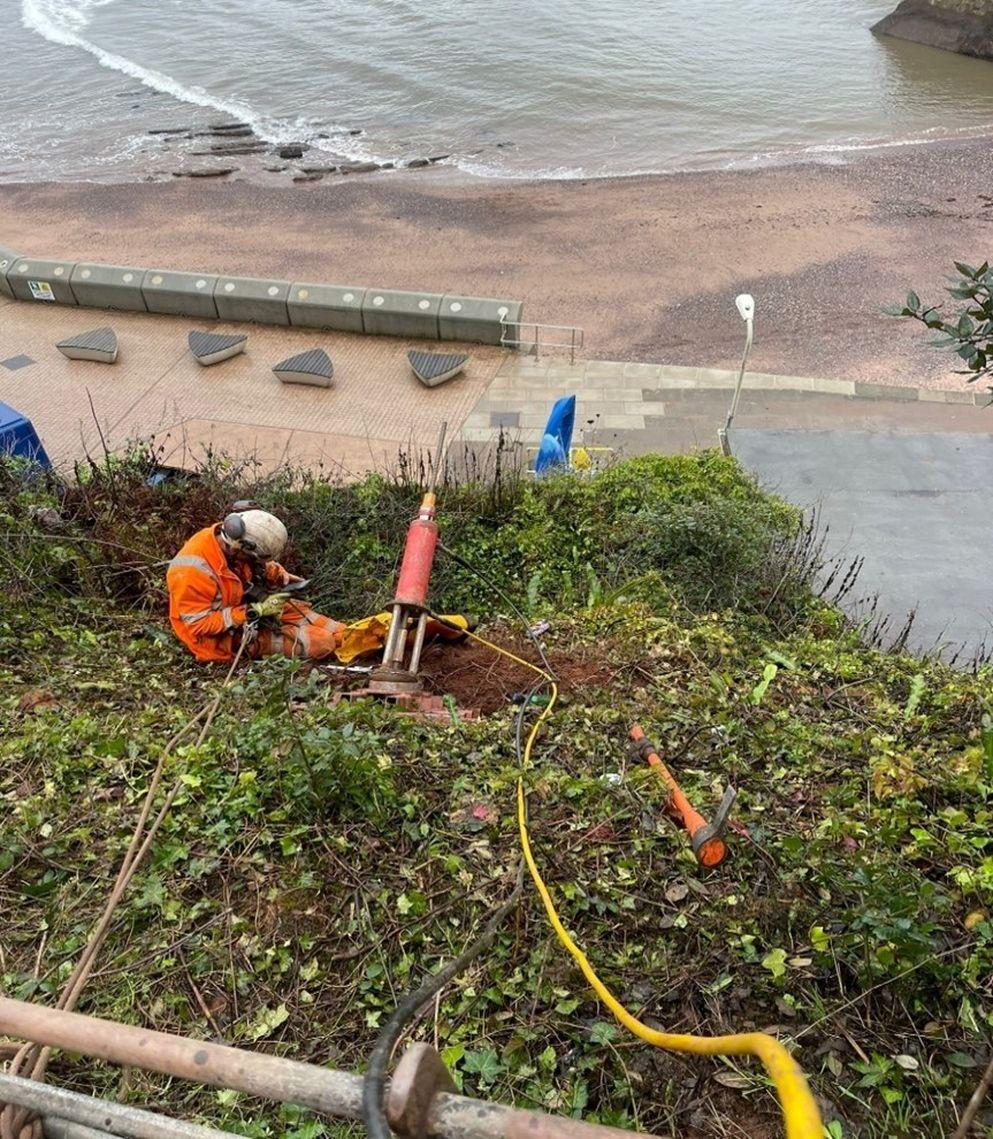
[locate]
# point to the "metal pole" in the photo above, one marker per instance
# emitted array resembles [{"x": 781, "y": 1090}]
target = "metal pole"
[
  {"x": 438, "y": 451},
  {"x": 722, "y": 433},
  {"x": 100, "y": 1114},
  {"x": 285, "y": 1081},
  {"x": 418, "y": 648}
]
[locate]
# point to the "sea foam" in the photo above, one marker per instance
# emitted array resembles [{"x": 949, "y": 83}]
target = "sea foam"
[{"x": 64, "y": 22}]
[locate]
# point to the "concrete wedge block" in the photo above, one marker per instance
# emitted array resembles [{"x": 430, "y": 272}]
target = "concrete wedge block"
[
  {"x": 213, "y": 347},
  {"x": 338, "y": 307},
  {"x": 108, "y": 286},
  {"x": 435, "y": 368},
  {"x": 390, "y": 312},
  {"x": 313, "y": 367},
  {"x": 99, "y": 345},
  {"x": 31, "y": 279},
  {"x": 179, "y": 294},
  {"x": 247, "y": 298}
]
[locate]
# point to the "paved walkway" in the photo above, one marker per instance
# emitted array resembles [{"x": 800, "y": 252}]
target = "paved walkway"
[{"x": 238, "y": 407}]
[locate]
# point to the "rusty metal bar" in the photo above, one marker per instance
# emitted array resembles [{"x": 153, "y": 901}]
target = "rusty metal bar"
[
  {"x": 285, "y": 1081},
  {"x": 62, "y": 1109}
]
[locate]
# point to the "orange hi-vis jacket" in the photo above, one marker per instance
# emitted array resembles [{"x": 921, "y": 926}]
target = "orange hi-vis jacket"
[{"x": 207, "y": 597}]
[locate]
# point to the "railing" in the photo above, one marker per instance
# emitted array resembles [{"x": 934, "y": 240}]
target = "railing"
[{"x": 539, "y": 339}]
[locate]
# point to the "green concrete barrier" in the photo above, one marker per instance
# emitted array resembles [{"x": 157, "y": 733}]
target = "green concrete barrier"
[
  {"x": 7, "y": 258},
  {"x": 108, "y": 286},
  {"x": 247, "y": 298},
  {"x": 390, "y": 312},
  {"x": 326, "y": 306},
  {"x": 179, "y": 294},
  {"x": 31, "y": 279},
  {"x": 342, "y": 308},
  {"x": 479, "y": 319}
]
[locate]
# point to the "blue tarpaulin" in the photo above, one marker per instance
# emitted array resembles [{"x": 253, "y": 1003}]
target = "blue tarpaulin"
[
  {"x": 557, "y": 439},
  {"x": 18, "y": 436}
]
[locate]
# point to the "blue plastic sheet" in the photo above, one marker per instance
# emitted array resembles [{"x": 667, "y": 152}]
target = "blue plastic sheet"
[
  {"x": 18, "y": 436},
  {"x": 557, "y": 439}
]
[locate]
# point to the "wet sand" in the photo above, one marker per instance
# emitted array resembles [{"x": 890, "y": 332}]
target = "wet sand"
[{"x": 648, "y": 266}]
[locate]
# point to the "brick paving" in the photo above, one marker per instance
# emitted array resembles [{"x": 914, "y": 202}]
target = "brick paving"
[{"x": 375, "y": 409}]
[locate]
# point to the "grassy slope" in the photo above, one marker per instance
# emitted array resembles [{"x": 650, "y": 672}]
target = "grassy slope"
[{"x": 321, "y": 858}]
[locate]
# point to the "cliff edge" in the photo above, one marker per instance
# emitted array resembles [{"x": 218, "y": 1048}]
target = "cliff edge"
[{"x": 965, "y": 26}]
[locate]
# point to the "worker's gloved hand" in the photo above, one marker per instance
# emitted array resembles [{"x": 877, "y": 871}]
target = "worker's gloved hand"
[{"x": 271, "y": 606}]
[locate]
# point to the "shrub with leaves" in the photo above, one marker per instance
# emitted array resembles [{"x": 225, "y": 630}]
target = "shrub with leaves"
[{"x": 967, "y": 330}]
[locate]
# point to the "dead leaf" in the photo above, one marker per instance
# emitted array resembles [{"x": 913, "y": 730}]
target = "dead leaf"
[
  {"x": 676, "y": 892},
  {"x": 37, "y": 700},
  {"x": 732, "y": 1080}
]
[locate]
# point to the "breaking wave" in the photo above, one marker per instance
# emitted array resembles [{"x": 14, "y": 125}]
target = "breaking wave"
[{"x": 64, "y": 22}]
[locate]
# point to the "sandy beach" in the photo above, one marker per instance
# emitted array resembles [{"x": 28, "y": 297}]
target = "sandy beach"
[{"x": 648, "y": 266}]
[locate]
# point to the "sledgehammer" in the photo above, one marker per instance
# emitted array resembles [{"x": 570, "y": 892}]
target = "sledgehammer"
[{"x": 705, "y": 838}]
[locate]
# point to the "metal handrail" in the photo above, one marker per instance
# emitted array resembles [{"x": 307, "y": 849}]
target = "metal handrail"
[{"x": 535, "y": 342}]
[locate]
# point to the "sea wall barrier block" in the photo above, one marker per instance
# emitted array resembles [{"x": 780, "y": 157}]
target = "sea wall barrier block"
[
  {"x": 179, "y": 294},
  {"x": 108, "y": 286},
  {"x": 247, "y": 298},
  {"x": 7, "y": 258},
  {"x": 31, "y": 279},
  {"x": 343, "y": 308},
  {"x": 479, "y": 319},
  {"x": 390, "y": 312},
  {"x": 326, "y": 306}
]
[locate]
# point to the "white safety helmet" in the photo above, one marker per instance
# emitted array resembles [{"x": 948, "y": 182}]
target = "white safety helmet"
[{"x": 257, "y": 532}]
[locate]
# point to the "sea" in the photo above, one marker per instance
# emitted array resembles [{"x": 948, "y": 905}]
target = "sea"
[{"x": 521, "y": 89}]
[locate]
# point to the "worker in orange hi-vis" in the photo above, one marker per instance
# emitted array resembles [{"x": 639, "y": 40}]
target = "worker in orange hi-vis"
[{"x": 226, "y": 579}]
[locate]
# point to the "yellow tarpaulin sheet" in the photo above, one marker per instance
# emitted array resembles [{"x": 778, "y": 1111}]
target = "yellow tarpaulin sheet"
[{"x": 369, "y": 634}]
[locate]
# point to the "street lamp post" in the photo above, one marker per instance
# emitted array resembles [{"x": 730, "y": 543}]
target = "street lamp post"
[{"x": 746, "y": 307}]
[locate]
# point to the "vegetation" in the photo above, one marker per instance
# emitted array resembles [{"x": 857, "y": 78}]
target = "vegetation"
[
  {"x": 968, "y": 329},
  {"x": 323, "y": 857}
]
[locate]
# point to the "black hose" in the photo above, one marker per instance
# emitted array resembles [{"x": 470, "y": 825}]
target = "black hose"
[{"x": 374, "y": 1084}]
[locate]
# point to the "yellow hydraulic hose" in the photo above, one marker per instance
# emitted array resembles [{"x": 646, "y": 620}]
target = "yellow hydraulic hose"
[{"x": 800, "y": 1112}]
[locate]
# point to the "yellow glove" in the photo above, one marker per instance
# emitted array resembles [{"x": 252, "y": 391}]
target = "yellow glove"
[{"x": 272, "y": 606}]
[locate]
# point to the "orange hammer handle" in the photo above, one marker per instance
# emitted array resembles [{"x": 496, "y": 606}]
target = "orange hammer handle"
[{"x": 710, "y": 851}]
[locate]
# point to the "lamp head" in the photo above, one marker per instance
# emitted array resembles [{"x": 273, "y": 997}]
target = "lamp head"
[{"x": 746, "y": 305}]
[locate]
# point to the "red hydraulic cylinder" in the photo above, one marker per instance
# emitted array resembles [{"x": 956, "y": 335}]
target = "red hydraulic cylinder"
[{"x": 418, "y": 557}]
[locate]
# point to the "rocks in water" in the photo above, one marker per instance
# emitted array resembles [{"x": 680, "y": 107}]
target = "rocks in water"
[
  {"x": 318, "y": 169},
  {"x": 439, "y": 157},
  {"x": 243, "y": 148},
  {"x": 212, "y": 172},
  {"x": 275, "y": 169},
  {"x": 307, "y": 177},
  {"x": 964, "y": 26},
  {"x": 228, "y": 126},
  {"x": 170, "y": 130},
  {"x": 417, "y": 163},
  {"x": 292, "y": 150},
  {"x": 359, "y": 167}
]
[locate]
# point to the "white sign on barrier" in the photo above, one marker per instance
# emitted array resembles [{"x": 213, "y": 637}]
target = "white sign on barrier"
[{"x": 41, "y": 290}]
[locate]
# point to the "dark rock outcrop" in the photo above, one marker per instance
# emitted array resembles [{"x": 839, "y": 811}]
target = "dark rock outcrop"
[{"x": 965, "y": 26}]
